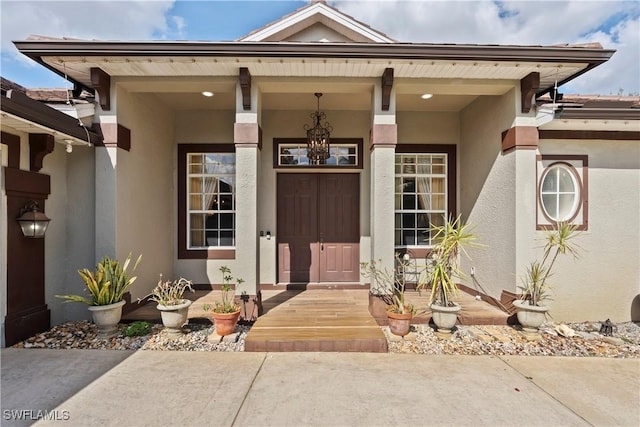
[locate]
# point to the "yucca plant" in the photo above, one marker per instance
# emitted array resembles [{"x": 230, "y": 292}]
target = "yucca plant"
[
  {"x": 107, "y": 284},
  {"x": 557, "y": 241},
  {"x": 451, "y": 240}
]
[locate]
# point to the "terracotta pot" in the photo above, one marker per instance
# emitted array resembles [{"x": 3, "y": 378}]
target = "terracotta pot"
[
  {"x": 225, "y": 322},
  {"x": 399, "y": 324},
  {"x": 445, "y": 318},
  {"x": 530, "y": 316},
  {"x": 174, "y": 316},
  {"x": 106, "y": 318}
]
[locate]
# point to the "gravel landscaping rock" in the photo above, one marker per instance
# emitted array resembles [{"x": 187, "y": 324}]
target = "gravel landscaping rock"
[
  {"x": 508, "y": 340},
  {"x": 466, "y": 340},
  {"x": 83, "y": 335}
]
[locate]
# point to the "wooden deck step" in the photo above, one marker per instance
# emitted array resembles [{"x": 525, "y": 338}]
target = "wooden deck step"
[{"x": 316, "y": 320}]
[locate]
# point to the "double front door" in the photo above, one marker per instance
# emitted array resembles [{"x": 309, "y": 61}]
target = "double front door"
[{"x": 318, "y": 228}]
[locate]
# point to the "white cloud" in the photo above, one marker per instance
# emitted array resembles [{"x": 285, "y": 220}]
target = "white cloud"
[
  {"x": 96, "y": 19},
  {"x": 518, "y": 23},
  {"x": 476, "y": 22}
]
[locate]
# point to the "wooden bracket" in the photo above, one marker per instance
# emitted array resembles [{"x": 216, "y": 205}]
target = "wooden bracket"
[
  {"x": 40, "y": 144},
  {"x": 101, "y": 81},
  {"x": 387, "y": 84},
  {"x": 13, "y": 142},
  {"x": 245, "y": 86},
  {"x": 529, "y": 85}
]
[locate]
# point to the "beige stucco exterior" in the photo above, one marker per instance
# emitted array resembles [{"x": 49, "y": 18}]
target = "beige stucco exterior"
[
  {"x": 114, "y": 201},
  {"x": 603, "y": 282}
]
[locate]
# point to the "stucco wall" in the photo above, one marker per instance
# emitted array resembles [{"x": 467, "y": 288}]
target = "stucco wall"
[
  {"x": 428, "y": 127},
  {"x": 487, "y": 192},
  {"x": 603, "y": 282},
  {"x": 145, "y": 189},
  {"x": 69, "y": 244}
]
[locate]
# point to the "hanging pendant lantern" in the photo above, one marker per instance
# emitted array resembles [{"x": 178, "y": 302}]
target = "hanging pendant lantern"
[{"x": 318, "y": 137}]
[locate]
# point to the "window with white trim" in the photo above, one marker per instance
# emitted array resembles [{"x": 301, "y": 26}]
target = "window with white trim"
[
  {"x": 296, "y": 155},
  {"x": 559, "y": 192},
  {"x": 421, "y": 196},
  {"x": 562, "y": 190},
  {"x": 211, "y": 200}
]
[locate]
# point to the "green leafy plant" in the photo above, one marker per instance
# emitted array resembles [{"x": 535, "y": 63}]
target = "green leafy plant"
[
  {"x": 227, "y": 303},
  {"x": 170, "y": 293},
  {"x": 384, "y": 279},
  {"x": 559, "y": 240},
  {"x": 451, "y": 239},
  {"x": 107, "y": 284},
  {"x": 138, "y": 329}
]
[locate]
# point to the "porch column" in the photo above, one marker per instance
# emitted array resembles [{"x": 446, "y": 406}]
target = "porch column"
[
  {"x": 384, "y": 137},
  {"x": 115, "y": 137},
  {"x": 520, "y": 143},
  {"x": 247, "y": 140}
]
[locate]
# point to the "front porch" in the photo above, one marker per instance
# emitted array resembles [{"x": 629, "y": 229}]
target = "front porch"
[{"x": 325, "y": 319}]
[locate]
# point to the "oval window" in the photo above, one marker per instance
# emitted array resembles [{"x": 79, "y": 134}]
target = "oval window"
[{"x": 559, "y": 192}]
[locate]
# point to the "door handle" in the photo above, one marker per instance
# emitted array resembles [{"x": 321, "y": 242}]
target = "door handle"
[{"x": 321, "y": 243}]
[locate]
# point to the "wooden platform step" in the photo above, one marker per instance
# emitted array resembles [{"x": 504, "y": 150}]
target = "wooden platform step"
[
  {"x": 343, "y": 339},
  {"x": 316, "y": 320}
]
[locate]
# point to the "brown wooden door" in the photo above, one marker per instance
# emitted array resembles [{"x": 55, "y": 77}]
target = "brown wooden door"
[{"x": 318, "y": 228}]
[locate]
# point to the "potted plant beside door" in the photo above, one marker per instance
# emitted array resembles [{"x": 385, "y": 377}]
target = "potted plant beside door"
[
  {"x": 226, "y": 311},
  {"x": 531, "y": 310},
  {"x": 174, "y": 308},
  {"x": 399, "y": 313},
  {"x": 452, "y": 239},
  {"x": 106, "y": 287}
]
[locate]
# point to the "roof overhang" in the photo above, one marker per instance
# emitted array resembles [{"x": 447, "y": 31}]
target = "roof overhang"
[
  {"x": 27, "y": 115},
  {"x": 74, "y": 59}
]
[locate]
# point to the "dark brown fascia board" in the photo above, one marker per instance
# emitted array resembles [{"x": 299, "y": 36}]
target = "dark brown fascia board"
[
  {"x": 36, "y": 49},
  {"x": 607, "y": 135},
  {"x": 19, "y": 104},
  {"x": 599, "y": 113}
]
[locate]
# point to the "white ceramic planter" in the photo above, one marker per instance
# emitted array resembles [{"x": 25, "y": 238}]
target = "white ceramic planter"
[
  {"x": 106, "y": 318},
  {"x": 530, "y": 316},
  {"x": 174, "y": 316},
  {"x": 445, "y": 317}
]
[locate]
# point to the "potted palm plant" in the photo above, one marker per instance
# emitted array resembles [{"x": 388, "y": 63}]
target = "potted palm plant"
[
  {"x": 106, "y": 287},
  {"x": 531, "y": 310},
  {"x": 399, "y": 313},
  {"x": 174, "y": 308},
  {"x": 452, "y": 239},
  {"x": 225, "y": 312}
]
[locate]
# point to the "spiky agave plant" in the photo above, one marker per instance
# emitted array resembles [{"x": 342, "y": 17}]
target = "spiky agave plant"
[
  {"x": 557, "y": 241},
  {"x": 452, "y": 239},
  {"x": 107, "y": 284}
]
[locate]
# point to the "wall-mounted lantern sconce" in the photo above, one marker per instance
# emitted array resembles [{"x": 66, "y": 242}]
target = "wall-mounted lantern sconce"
[{"x": 33, "y": 222}]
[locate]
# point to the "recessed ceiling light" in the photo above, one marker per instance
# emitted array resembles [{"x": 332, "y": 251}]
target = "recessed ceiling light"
[
  {"x": 207, "y": 93},
  {"x": 426, "y": 95}
]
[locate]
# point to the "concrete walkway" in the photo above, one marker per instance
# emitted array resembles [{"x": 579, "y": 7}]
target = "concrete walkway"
[{"x": 147, "y": 388}]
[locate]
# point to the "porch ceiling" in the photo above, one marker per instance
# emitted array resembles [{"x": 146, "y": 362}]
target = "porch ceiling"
[
  {"x": 78, "y": 68},
  {"x": 304, "y": 100},
  {"x": 295, "y": 93}
]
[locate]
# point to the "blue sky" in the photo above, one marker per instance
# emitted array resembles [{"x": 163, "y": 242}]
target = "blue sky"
[{"x": 614, "y": 24}]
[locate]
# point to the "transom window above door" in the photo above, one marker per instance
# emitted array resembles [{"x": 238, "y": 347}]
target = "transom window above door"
[{"x": 292, "y": 153}]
